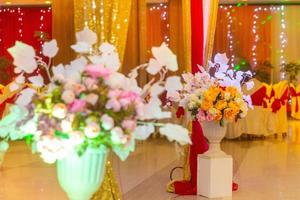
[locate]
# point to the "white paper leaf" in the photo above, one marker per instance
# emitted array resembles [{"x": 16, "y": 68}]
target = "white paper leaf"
[
  {"x": 78, "y": 65},
  {"x": 58, "y": 72},
  {"x": 25, "y": 97},
  {"x": 20, "y": 79},
  {"x": 50, "y": 48},
  {"x": 177, "y": 133},
  {"x": 37, "y": 81},
  {"x": 221, "y": 59},
  {"x": 165, "y": 57},
  {"x": 86, "y": 36},
  {"x": 24, "y": 57},
  {"x": 173, "y": 84},
  {"x": 116, "y": 80},
  {"x": 107, "y": 48},
  {"x": 156, "y": 90},
  {"x": 249, "y": 85},
  {"x": 14, "y": 86},
  {"x": 153, "y": 110},
  {"x": 112, "y": 61},
  {"x": 153, "y": 67},
  {"x": 81, "y": 47},
  {"x": 96, "y": 60},
  {"x": 143, "y": 132}
]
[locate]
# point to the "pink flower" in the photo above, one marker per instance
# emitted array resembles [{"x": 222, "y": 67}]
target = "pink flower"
[
  {"x": 113, "y": 104},
  {"x": 91, "y": 83},
  {"x": 201, "y": 116},
  {"x": 129, "y": 125},
  {"x": 96, "y": 71},
  {"x": 77, "y": 105},
  {"x": 210, "y": 117}
]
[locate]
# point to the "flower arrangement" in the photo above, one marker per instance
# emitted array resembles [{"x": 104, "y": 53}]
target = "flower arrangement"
[
  {"x": 88, "y": 103},
  {"x": 216, "y": 94}
]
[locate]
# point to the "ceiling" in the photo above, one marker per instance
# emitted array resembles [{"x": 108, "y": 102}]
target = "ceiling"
[{"x": 24, "y": 2}]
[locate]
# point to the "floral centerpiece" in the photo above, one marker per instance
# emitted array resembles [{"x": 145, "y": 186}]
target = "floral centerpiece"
[
  {"x": 88, "y": 107},
  {"x": 214, "y": 97}
]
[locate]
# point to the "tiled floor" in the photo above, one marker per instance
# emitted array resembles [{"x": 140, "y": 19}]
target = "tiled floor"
[{"x": 264, "y": 169}]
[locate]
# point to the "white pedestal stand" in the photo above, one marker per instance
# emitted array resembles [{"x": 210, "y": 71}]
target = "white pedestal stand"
[{"x": 215, "y": 168}]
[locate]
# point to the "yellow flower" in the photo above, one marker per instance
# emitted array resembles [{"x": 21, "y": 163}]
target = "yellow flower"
[
  {"x": 230, "y": 114},
  {"x": 232, "y": 90},
  {"x": 220, "y": 105},
  {"x": 206, "y": 105}
]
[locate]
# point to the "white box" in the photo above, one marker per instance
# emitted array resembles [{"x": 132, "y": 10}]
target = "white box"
[{"x": 214, "y": 179}]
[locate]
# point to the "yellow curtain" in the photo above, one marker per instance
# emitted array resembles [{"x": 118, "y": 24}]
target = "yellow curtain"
[
  {"x": 210, "y": 21},
  {"x": 108, "y": 18}
]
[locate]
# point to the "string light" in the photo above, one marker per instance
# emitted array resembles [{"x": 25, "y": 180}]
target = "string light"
[
  {"x": 283, "y": 39},
  {"x": 163, "y": 8},
  {"x": 256, "y": 37},
  {"x": 229, "y": 33}
]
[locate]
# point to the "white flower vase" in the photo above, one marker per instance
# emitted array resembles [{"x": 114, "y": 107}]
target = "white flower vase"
[
  {"x": 81, "y": 177},
  {"x": 214, "y": 133}
]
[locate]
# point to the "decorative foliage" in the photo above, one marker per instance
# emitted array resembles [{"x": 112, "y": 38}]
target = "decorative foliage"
[
  {"x": 88, "y": 103},
  {"x": 292, "y": 71}
]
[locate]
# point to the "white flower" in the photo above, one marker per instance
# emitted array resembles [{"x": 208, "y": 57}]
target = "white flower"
[
  {"x": 59, "y": 111},
  {"x": 50, "y": 48},
  {"x": 153, "y": 67},
  {"x": 68, "y": 96},
  {"x": 92, "y": 129},
  {"x": 117, "y": 135},
  {"x": 92, "y": 98},
  {"x": 66, "y": 126},
  {"x": 107, "y": 122}
]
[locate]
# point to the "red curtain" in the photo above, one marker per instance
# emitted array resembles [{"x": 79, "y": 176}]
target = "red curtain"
[
  {"x": 242, "y": 33},
  {"x": 199, "y": 144},
  {"x": 30, "y": 25}
]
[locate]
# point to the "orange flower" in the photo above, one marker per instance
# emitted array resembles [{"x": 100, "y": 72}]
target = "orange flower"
[
  {"x": 212, "y": 93},
  {"x": 230, "y": 114},
  {"x": 232, "y": 90},
  {"x": 234, "y": 105},
  {"x": 206, "y": 105},
  {"x": 220, "y": 105},
  {"x": 218, "y": 116}
]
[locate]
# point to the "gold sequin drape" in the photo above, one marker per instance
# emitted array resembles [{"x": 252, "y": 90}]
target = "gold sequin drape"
[
  {"x": 211, "y": 28},
  {"x": 109, "y": 19}
]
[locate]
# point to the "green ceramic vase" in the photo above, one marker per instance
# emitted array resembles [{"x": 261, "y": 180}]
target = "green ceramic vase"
[{"x": 80, "y": 177}]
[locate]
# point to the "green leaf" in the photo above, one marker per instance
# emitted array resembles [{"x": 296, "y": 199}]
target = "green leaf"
[
  {"x": 28, "y": 139},
  {"x": 82, "y": 148},
  {"x": 61, "y": 135}
]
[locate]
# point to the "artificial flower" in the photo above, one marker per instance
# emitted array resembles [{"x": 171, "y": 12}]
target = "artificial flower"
[
  {"x": 59, "y": 110},
  {"x": 220, "y": 105},
  {"x": 107, "y": 122},
  {"x": 68, "y": 96},
  {"x": 77, "y": 105},
  {"x": 117, "y": 136},
  {"x": 206, "y": 104},
  {"x": 97, "y": 71},
  {"x": 129, "y": 125},
  {"x": 91, "y": 98},
  {"x": 92, "y": 130}
]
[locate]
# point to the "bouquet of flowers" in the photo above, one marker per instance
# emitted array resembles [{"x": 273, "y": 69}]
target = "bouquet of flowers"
[
  {"x": 88, "y": 103},
  {"x": 215, "y": 95}
]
